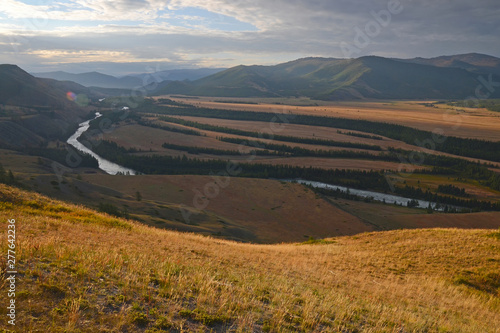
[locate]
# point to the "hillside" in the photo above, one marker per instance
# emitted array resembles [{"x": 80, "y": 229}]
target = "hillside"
[
  {"x": 338, "y": 79},
  {"x": 19, "y": 88},
  {"x": 83, "y": 271},
  {"x": 33, "y": 109}
]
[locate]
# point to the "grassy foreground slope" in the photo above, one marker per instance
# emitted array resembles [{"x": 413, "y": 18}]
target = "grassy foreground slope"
[{"x": 82, "y": 271}]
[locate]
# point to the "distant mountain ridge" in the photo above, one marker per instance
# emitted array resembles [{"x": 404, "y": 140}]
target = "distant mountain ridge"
[
  {"x": 336, "y": 79},
  {"x": 93, "y": 79},
  {"x": 474, "y": 62},
  {"x": 96, "y": 79}
]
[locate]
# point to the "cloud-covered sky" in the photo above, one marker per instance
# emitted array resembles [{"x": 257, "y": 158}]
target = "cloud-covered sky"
[{"x": 129, "y": 36}]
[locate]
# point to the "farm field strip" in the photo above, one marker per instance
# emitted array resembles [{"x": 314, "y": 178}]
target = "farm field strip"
[{"x": 474, "y": 123}]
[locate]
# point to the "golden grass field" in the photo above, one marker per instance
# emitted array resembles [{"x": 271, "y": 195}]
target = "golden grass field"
[
  {"x": 82, "y": 271},
  {"x": 454, "y": 121}
]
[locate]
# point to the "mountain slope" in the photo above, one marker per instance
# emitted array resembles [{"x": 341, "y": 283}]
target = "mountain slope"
[
  {"x": 38, "y": 106},
  {"x": 322, "y": 78},
  {"x": 88, "y": 272},
  {"x": 19, "y": 88}
]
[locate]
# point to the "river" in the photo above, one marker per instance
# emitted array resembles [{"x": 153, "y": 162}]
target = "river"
[
  {"x": 382, "y": 197},
  {"x": 105, "y": 165}
]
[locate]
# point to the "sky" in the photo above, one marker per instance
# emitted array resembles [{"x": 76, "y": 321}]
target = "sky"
[{"x": 120, "y": 37}]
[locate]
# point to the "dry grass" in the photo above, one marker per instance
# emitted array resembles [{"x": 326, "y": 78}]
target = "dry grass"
[
  {"x": 105, "y": 275},
  {"x": 474, "y": 123}
]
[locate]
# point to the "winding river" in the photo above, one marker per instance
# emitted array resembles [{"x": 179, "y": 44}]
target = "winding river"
[
  {"x": 105, "y": 165},
  {"x": 113, "y": 169}
]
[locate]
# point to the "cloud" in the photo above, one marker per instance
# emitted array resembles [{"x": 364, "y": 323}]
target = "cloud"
[{"x": 184, "y": 33}]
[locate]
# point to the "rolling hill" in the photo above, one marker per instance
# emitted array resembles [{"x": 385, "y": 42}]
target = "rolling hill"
[
  {"x": 334, "y": 79},
  {"x": 83, "y": 271}
]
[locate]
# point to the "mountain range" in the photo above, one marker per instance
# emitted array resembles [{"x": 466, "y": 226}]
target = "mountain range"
[
  {"x": 446, "y": 77},
  {"x": 453, "y": 77},
  {"x": 96, "y": 79}
]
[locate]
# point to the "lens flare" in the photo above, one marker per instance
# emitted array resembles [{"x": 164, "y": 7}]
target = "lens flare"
[{"x": 71, "y": 96}]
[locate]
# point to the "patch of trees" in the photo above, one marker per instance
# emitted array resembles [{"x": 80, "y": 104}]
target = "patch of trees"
[
  {"x": 228, "y": 130},
  {"x": 452, "y": 190},
  {"x": 459, "y": 146}
]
